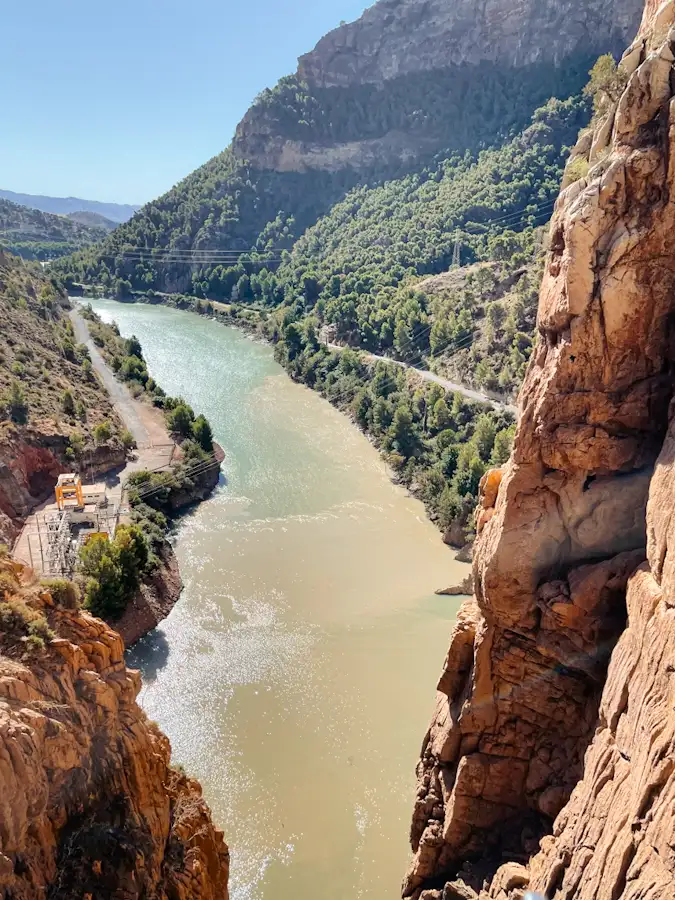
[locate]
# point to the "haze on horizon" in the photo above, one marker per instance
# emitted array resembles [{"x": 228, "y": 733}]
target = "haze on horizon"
[{"x": 118, "y": 105}]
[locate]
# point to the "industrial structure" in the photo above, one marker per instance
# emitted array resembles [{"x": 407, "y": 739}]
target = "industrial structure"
[{"x": 58, "y": 532}]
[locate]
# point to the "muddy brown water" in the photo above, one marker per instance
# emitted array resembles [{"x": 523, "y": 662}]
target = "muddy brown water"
[{"x": 296, "y": 675}]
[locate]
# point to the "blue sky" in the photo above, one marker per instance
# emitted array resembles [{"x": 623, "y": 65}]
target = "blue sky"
[{"x": 117, "y": 101}]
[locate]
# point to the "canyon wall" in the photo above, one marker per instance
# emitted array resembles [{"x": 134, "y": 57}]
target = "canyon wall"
[
  {"x": 549, "y": 762},
  {"x": 400, "y": 37},
  {"x": 396, "y": 41},
  {"x": 89, "y": 804}
]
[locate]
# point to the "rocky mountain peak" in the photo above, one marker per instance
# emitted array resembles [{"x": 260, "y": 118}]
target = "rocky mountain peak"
[{"x": 398, "y": 37}]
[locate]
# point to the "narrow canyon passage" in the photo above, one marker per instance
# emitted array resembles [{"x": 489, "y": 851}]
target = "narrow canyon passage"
[{"x": 293, "y": 676}]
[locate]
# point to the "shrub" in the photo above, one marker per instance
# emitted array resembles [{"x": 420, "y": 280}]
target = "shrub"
[
  {"x": 102, "y": 433},
  {"x": 180, "y": 419},
  {"x": 63, "y": 592},
  {"x": 18, "y": 620},
  {"x": 68, "y": 403},
  {"x": 16, "y": 404},
  {"x": 8, "y": 583},
  {"x": 201, "y": 431},
  {"x": 128, "y": 440}
]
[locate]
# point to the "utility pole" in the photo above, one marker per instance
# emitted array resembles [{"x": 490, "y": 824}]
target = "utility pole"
[{"x": 457, "y": 252}]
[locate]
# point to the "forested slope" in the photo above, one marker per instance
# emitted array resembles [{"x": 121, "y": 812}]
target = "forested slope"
[
  {"x": 33, "y": 234},
  {"x": 423, "y": 82}
]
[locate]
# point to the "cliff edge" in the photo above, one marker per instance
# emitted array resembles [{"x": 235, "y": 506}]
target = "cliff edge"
[
  {"x": 90, "y": 806},
  {"x": 549, "y": 763}
]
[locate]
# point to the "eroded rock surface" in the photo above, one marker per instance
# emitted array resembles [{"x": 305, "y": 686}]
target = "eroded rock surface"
[
  {"x": 574, "y": 553},
  {"x": 397, "y": 37},
  {"x": 89, "y": 805}
]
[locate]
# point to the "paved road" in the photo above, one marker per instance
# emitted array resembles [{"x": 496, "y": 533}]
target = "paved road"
[
  {"x": 444, "y": 382},
  {"x": 119, "y": 393}
]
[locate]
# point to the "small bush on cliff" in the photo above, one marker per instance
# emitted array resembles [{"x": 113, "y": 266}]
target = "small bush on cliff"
[
  {"x": 16, "y": 404},
  {"x": 102, "y": 432},
  {"x": 8, "y": 583},
  {"x": 113, "y": 570},
  {"x": 63, "y": 592},
  {"x": 19, "y": 622}
]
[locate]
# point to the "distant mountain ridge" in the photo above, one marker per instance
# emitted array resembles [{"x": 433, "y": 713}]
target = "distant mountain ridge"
[
  {"x": 409, "y": 83},
  {"x": 62, "y": 206}
]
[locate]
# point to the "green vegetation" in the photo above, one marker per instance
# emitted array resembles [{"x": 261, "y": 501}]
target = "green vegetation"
[
  {"x": 125, "y": 357},
  {"x": 113, "y": 570},
  {"x": 458, "y": 108},
  {"x": 46, "y": 379},
  {"x": 36, "y": 235},
  {"x": 439, "y": 445},
  {"x": 232, "y": 205}
]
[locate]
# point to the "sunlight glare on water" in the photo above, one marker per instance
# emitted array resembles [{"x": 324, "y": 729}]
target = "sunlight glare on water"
[{"x": 295, "y": 677}]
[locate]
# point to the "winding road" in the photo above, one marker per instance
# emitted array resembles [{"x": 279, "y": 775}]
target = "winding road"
[{"x": 469, "y": 393}]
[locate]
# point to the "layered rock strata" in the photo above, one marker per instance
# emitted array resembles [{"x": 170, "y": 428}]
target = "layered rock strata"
[
  {"x": 537, "y": 754},
  {"x": 89, "y": 804}
]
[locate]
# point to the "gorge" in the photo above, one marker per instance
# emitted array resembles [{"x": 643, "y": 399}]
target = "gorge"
[
  {"x": 300, "y": 641},
  {"x": 293, "y": 676}
]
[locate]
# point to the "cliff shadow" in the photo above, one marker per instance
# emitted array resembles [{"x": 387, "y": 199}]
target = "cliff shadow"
[{"x": 149, "y": 655}]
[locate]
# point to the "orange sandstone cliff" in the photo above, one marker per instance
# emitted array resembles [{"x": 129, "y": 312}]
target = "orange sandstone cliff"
[
  {"x": 89, "y": 804},
  {"x": 550, "y": 761}
]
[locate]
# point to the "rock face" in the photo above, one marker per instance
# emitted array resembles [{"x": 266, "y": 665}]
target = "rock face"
[
  {"x": 533, "y": 736},
  {"x": 89, "y": 805},
  {"x": 398, "y": 37}
]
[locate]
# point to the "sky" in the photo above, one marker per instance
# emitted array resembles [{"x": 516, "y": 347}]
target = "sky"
[{"x": 117, "y": 101}]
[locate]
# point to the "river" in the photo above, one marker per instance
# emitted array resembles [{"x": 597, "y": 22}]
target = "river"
[{"x": 295, "y": 676}]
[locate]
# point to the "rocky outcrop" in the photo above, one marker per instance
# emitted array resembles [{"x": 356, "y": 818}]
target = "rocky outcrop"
[
  {"x": 89, "y": 804},
  {"x": 258, "y": 140},
  {"x": 154, "y": 600},
  {"x": 399, "y": 37},
  {"x": 574, "y": 552}
]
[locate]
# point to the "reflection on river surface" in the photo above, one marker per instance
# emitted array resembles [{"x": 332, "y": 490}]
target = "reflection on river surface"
[{"x": 295, "y": 676}]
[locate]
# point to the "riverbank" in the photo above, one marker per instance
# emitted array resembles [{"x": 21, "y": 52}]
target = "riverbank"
[
  {"x": 304, "y": 637},
  {"x": 439, "y": 452},
  {"x": 157, "y": 453}
]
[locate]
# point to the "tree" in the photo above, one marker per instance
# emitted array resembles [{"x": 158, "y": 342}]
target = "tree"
[
  {"x": 484, "y": 436},
  {"x": 133, "y": 347},
  {"x": 382, "y": 414},
  {"x": 113, "y": 570},
  {"x": 501, "y": 449},
  {"x": 102, "y": 433},
  {"x": 606, "y": 83},
  {"x": 179, "y": 420},
  {"x": 16, "y": 404},
  {"x": 201, "y": 431},
  {"x": 68, "y": 402},
  {"x": 402, "y": 435},
  {"x": 441, "y": 418}
]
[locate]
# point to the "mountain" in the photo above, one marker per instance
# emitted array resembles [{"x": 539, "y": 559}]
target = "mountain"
[
  {"x": 61, "y": 206},
  {"x": 33, "y": 234},
  {"x": 92, "y": 220},
  {"x": 407, "y": 83}
]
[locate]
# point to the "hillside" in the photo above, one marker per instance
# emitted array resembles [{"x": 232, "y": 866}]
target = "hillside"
[
  {"x": 33, "y": 234},
  {"x": 308, "y": 141},
  {"x": 92, "y": 220},
  {"x": 62, "y": 206},
  {"x": 53, "y": 410}
]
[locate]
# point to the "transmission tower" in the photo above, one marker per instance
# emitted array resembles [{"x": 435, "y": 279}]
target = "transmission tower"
[{"x": 457, "y": 252}]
